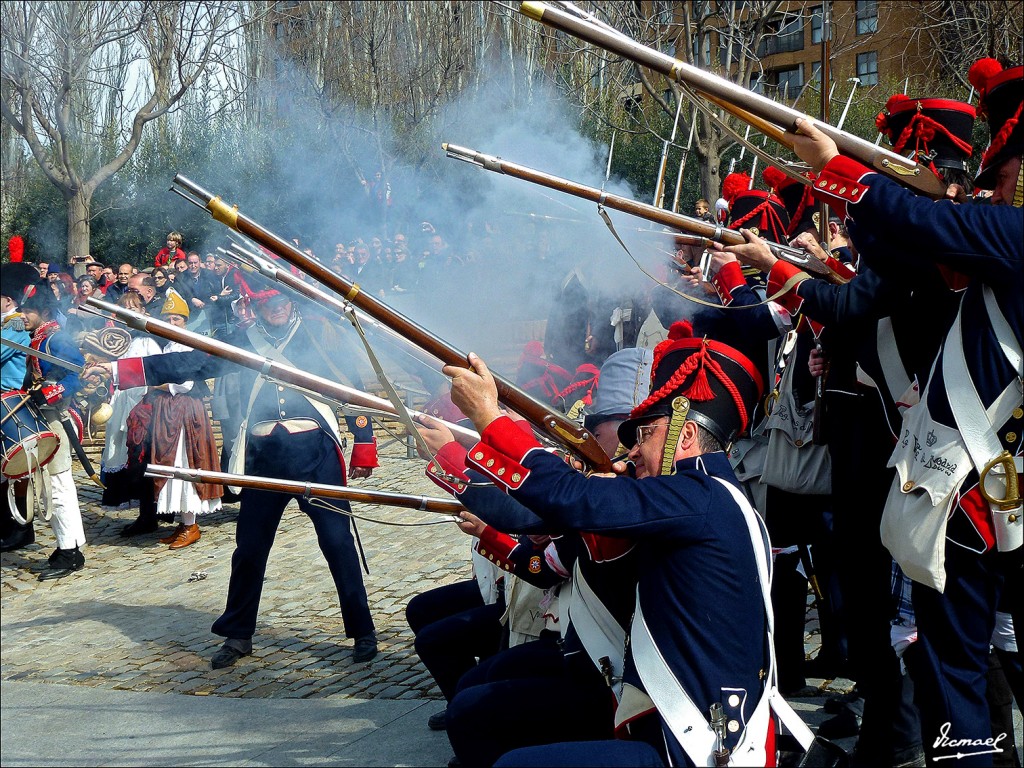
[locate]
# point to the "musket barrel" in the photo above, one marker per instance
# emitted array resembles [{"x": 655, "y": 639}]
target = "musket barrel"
[
  {"x": 316, "y": 490},
  {"x": 331, "y": 389},
  {"x": 650, "y": 212},
  {"x": 897, "y": 167},
  {"x": 555, "y": 425}
]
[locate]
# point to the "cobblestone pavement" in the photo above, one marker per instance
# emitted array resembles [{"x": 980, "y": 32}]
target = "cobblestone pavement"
[{"x": 138, "y": 616}]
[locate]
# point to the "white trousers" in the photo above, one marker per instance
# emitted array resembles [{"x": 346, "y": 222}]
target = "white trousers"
[{"x": 66, "y": 518}]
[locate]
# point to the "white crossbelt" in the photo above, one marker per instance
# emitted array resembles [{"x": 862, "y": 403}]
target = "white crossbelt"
[
  {"x": 687, "y": 723},
  {"x": 977, "y": 427},
  {"x": 602, "y": 636}
]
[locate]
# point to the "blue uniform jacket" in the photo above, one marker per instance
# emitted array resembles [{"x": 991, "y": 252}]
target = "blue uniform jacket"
[{"x": 697, "y": 581}]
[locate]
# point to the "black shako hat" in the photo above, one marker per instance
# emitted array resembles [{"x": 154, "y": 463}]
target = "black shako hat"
[
  {"x": 721, "y": 384},
  {"x": 937, "y": 131},
  {"x": 761, "y": 212},
  {"x": 800, "y": 204},
  {"x": 1002, "y": 93}
]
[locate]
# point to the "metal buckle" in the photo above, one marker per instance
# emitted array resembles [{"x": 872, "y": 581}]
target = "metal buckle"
[{"x": 1013, "y": 497}]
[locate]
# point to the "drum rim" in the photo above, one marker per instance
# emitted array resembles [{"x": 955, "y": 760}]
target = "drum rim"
[{"x": 7, "y": 457}]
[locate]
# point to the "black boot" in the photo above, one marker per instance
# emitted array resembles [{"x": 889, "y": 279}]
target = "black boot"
[
  {"x": 20, "y": 536},
  {"x": 62, "y": 563}
]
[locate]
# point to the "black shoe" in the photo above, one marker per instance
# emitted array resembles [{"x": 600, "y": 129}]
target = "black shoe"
[
  {"x": 21, "y": 536},
  {"x": 63, "y": 562},
  {"x": 228, "y": 655},
  {"x": 835, "y": 704},
  {"x": 438, "y": 721},
  {"x": 230, "y": 498},
  {"x": 140, "y": 526},
  {"x": 842, "y": 726},
  {"x": 365, "y": 648}
]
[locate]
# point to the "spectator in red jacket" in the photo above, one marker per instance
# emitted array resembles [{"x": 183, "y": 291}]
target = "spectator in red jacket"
[{"x": 170, "y": 252}]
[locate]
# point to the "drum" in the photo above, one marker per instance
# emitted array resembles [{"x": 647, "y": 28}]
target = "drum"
[{"x": 28, "y": 442}]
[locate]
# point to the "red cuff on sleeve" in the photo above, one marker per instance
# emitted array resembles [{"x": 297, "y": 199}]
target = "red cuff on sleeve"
[
  {"x": 779, "y": 275},
  {"x": 446, "y": 470},
  {"x": 364, "y": 455},
  {"x": 497, "y": 547},
  {"x": 727, "y": 279},
  {"x": 841, "y": 182},
  {"x": 841, "y": 268},
  {"x": 130, "y": 373},
  {"x": 506, "y": 436}
]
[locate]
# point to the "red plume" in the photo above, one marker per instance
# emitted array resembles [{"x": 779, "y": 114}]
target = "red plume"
[
  {"x": 734, "y": 184},
  {"x": 16, "y": 247},
  {"x": 681, "y": 329},
  {"x": 894, "y": 101},
  {"x": 982, "y": 71},
  {"x": 773, "y": 177}
]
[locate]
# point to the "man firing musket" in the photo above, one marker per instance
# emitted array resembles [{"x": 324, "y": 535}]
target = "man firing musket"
[{"x": 284, "y": 434}]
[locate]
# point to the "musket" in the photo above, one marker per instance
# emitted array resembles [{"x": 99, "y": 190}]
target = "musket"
[
  {"x": 711, "y": 232},
  {"x": 659, "y": 188},
  {"x": 567, "y": 433},
  {"x": 266, "y": 267},
  {"x": 331, "y": 392},
  {"x": 901, "y": 169},
  {"x": 315, "y": 490},
  {"x": 682, "y": 162}
]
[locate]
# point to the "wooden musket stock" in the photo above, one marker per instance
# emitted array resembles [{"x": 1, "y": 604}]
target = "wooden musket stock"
[
  {"x": 716, "y": 232},
  {"x": 315, "y": 490},
  {"x": 331, "y": 390},
  {"x": 896, "y": 167},
  {"x": 554, "y": 425}
]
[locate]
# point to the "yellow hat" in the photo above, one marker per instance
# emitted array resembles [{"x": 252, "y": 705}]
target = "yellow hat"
[{"x": 175, "y": 305}]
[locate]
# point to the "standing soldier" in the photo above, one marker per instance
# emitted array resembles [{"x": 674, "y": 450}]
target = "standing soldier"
[
  {"x": 52, "y": 387},
  {"x": 284, "y": 434}
]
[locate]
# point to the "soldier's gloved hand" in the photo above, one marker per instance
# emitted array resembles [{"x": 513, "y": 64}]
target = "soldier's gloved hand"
[{"x": 47, "y": 394}]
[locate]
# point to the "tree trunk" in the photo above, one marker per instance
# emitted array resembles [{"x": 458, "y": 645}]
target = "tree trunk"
[
  {"x": 710, "y": 160},
  {"x": 78, "y": 224}
]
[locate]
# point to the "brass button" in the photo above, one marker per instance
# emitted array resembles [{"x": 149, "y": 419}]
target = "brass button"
[
  {"x": 483, "y": 551},
  {"x": 823, "y": 184},
  {"x": 1012, "y": 518},
  {"x": 734, "y": 700},
  {"x": 734, "y": 725},
  {"x": 280, "y": 389},
  {"x": 478, "y": 455},
  {"x": 842, "y": 191},
  {"x": 832, "y": 186},
  {"x": 798, "y": 443},
  {"x": 908, "y": 486},
  {"x": 491, "y": 558},
  {"x": 516, "y": 477},
  {"x": 1011, "y": 437},
  {"x": 1018, "y": 413},
  {"x": 490, "y": 462},
  {"x": 854, "y": 191},
  {"x": 501, "y": 471}
]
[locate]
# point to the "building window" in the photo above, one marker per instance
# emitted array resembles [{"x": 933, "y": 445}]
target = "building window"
[
  {"x": 783, "y": 35},
  {"x": 867, "y": 16},
  {"x": 815, "y": 71},
  {"x": 867, "y": 68},
  {"x": 789, "y": 81},
  {"x": 816, "y": 25}
]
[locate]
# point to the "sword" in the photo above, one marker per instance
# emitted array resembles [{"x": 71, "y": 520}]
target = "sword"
[
  {"x": 65, "y": 421},
  {"x": 43, "y": 356}
]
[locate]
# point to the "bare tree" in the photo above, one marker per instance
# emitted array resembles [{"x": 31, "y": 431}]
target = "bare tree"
[
  {"x": 81, "y": 79},
  {"x": 720, "y": 36},
  {"x": 959, "y": 32}
]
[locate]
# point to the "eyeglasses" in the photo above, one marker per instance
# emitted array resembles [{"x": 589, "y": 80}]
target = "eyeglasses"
[
  {"x": 159, "y": 277},
  {"x": 644, "y": 432}
]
